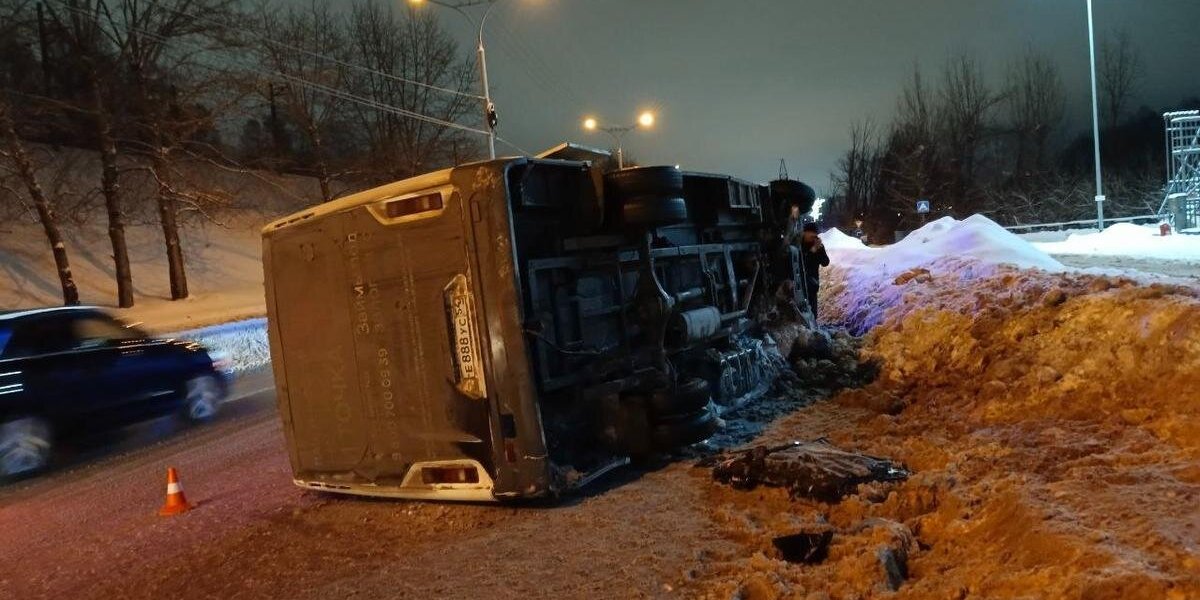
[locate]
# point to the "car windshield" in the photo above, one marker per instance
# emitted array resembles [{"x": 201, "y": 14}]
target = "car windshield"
[{"x": 98, "y": 331}]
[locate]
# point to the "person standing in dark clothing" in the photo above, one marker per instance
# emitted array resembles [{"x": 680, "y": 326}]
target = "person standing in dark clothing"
[{"x": 812, "y": 258}]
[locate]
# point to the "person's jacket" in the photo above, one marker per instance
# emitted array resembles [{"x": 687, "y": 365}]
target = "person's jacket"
[{"x": 812, "y": 262}]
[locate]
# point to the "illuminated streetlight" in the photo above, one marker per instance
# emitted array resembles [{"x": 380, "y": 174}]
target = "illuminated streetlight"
[{"x": 644, "y": 121}]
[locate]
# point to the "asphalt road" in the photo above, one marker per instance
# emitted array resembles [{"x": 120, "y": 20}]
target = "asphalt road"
[
  {"x": 252, "y": 401},
  {"x": 89, "y": 528}
]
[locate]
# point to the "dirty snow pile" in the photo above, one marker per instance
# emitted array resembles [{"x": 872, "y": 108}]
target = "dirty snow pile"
[
  {"x": 968, "y": 250},
  {"x": 244, "y": 342},
  {"x": 1049, "y": 417},
  {"x": 1127, "y": 239}
]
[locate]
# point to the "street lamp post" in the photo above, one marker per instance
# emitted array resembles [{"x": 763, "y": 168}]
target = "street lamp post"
[
  {"x": 489, "y": 108},
  {"x": 1095, "y": 120},
  {"x": 617, "y": 132}
]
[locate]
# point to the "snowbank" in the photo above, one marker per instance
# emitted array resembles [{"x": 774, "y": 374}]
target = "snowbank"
[
  {"x": 1126, "y": 239},
  {"x": 975, "y": 237},
  {"x": 862, "y": 278},
  {"x": 834, "y": 239},
  {"x": 1049, "y": 416},
  {"x": 245, "y": 342}
]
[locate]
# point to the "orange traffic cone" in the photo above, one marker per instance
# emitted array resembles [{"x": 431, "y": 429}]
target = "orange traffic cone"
[{"x": 175, "y": 503}]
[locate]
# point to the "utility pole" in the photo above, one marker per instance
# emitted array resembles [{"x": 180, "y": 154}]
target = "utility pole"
[
  {"x": 1095, "y": 120},
  {"x": 490, "y": 118}
]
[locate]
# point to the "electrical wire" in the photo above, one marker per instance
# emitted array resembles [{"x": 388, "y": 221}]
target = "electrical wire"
[
  {"x": 337, "y": 93},
  {"x": 313, "y": 54}
]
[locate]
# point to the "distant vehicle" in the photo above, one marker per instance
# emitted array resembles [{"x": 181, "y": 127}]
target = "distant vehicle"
[
  {"x": 77, "y": 370},
  {"x": 514, "y": 328}
]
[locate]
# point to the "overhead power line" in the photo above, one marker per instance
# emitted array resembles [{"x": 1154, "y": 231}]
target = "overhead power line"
[
  {"x": 313, "y": 54},
  {"x": 335, "y": 92}
]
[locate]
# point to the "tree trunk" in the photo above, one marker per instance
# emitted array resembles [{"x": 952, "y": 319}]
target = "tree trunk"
[
  {"x": 160, "y": 167},
  {"x": 110, "y": 187},
  {"x": 45, "y": 211},
  {"x": 314, "y": 137},
  {"x": 167, "y": 215}
]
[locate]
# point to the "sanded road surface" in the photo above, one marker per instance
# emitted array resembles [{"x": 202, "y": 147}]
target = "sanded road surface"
[{"x": 89, "y": 529}]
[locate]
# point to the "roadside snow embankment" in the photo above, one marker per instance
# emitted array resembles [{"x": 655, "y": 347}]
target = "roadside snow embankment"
[
  {"x": 966, "y": 303},
  {"x": 1126, "y": 239},
  {"x": 862, "y": 283},
  {"x": 1049, "y": 416},
  {"x": 245, "y": 342}
]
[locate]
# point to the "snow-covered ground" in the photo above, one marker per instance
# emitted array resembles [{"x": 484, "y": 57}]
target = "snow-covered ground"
[
  {"x": 1044, "y": 412},
  {"x": 224, "y": 269},
  {"x": 1125, "y": 239},
  {"x": 222, "y": 245},
  {"x": 1123, "y": 247},
  {"x": 975, "y": 248},
  {"x": 226, "y": 308},
  {"x": 975, "y": 237},
  {"x": 245, "y": 342}
]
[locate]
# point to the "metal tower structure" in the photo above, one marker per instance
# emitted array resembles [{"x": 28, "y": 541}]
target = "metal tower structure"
[{"x": 1183, "y": 168}]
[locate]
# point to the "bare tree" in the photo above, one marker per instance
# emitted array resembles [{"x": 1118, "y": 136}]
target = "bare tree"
[
  {"x": 78, "y": 24},
  {"x": 15, "y": 151},
  {"x": 295, "y": 45},
  {"x": 910, "y": 164},
  {"x": 965, "y": 103},
  {"x": 157, "y": 43},
  {"x": 1035, "y": 107},
  {"x": 1121, "y": 71},
  {"x": 412, "y": 46},
  {"x": 856, "y": 177}
]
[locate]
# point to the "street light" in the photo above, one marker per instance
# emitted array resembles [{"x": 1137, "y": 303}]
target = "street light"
[
  {"x": 645, "y": 121},
  {"x": 1095, "y": 120},
  {"x": 489, "y": 108}
]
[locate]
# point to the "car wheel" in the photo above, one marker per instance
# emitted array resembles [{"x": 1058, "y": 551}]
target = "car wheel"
[
  {"x": 203, "y": 399},
  {"x": 25, "y": 446}
]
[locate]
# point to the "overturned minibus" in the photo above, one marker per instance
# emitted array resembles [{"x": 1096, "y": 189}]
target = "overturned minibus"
[{"x": 513, "y": 328}]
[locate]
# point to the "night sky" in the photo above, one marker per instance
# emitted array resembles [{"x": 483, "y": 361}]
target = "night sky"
[{"x": 739, "y": 84}]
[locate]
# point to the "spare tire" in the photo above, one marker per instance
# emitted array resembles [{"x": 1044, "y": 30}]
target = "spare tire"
[
  {"x": 669, "y": 436},
  {"x": 786, "y": 192},
  {"x": 643, "y": 181},
  {"x": 690, "y": 396},
  {"x": 653, "y": 211}
]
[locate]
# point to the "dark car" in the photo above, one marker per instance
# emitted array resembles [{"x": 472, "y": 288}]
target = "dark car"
[{"x": 71, "y": 371}]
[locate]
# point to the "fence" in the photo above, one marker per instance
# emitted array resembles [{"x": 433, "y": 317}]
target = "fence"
[{"x": 1086, "y": 222}]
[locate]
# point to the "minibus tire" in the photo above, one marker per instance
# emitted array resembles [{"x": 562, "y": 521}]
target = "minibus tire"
[
  {"x": 653, "y": 211},
  {"x": 643, "y": 181}
]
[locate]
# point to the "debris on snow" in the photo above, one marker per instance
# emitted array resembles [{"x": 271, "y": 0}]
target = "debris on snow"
[
  {"x": 814, "y": 470},
  {"x": 804, "y": 547},
  {"x": 1046, "y": 413}
]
